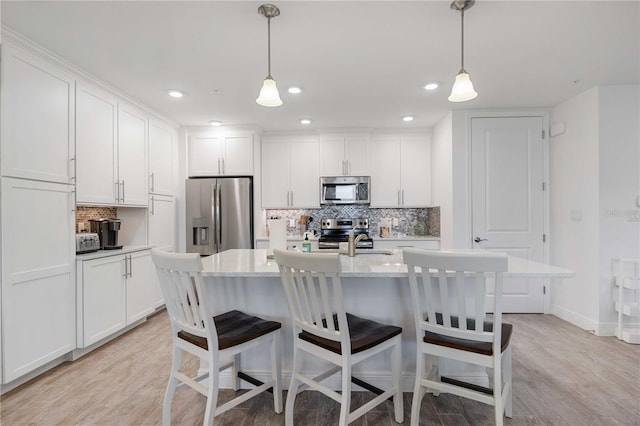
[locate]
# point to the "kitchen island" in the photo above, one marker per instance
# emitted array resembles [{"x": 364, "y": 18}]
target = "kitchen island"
[{"x": 375, "y": 286}]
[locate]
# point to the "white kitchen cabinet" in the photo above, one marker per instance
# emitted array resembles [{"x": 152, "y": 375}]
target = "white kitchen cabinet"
[
  {"x": 400, "y": 171},
  {"x": 132, "y": 156},
  {"x": 113, "y": 292},
  {"x": 161, "y": 235},
  {"x": 290, "y": 172},
  {"x": 162, "y": 138},
  {"x": 111, "y": 140},
  {"x": 101, "y": 299},
  {"x": 139, "y": 285},
  {"x": 344, "y": 155},
  {"x": 38, "y": 138},
  {"x": 221, "y": 154},
  {"x": 96, "y": 146},
  {"x": 38, "y": 285}
]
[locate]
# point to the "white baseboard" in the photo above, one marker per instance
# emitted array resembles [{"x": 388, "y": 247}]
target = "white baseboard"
[{"x": 575, "y": 318}]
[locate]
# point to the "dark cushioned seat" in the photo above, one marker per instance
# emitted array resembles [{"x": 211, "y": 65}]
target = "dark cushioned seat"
[
  {"x": 364, "y": 334},
  {"x": 484, "y": 348},
  {"x": 234, "y": 328}
]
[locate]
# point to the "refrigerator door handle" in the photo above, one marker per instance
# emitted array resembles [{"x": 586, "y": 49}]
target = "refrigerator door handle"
[
  {"x": 219, "y": 217},
  {"x": 214, "y": 223}
]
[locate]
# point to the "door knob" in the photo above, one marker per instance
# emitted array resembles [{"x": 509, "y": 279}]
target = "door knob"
[{"x": 478, "y": 239}]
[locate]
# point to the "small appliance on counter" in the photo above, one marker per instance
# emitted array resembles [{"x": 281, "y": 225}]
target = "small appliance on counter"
[
  {"x": 107, "y": 230},
  {"x": 87, "y": 242},
  {"x": 336, "y": 231}
]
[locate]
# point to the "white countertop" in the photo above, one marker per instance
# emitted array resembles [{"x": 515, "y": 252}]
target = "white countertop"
[
  {"x": 106, "y": 253},
  {"x": 255, "y": 263}
]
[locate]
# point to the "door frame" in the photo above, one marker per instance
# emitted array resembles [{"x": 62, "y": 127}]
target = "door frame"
[{"x": 462, "y": 178}]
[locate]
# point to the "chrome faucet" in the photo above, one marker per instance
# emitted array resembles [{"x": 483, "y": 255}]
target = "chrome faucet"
[{"x": 353, "y": 241}]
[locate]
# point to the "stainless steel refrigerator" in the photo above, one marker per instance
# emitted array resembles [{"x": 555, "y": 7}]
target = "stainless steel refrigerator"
[{"x": 219, "y": 214}]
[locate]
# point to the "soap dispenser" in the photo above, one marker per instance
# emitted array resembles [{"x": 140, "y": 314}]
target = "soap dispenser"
[{"x": 306, "y": 244}]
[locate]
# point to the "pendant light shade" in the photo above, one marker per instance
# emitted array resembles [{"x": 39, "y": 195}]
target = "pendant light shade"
[
  {"x": 462, "y": 89},
  {"x": 269, "y": 95}
]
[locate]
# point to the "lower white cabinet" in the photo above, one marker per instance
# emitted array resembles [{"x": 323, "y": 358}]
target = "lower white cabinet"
[
  {"x": 113, "y": 292},
  {"x": 161, "y": 235},
  {"x": 38, "y": 285}
]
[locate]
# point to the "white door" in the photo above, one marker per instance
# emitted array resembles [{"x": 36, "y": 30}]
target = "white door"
[
  {"x": 161, "y": 222},
  {"x": 357, "y": 155},
  {"x": 507, "y": 199},
  {"x": 132, "y": 156}
]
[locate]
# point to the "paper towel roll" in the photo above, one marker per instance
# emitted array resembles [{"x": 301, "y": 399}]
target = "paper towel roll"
[{"x": 277, "y": 234}]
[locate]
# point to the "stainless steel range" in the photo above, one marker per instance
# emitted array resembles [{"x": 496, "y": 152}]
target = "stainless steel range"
[{"x": 336, "y": 231}]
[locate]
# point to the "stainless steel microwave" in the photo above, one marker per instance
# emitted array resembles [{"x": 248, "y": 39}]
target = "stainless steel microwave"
[{"x": 345, "y": 190}]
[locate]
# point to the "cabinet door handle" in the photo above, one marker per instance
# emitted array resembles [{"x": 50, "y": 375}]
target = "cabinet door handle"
[
  {"x": 130, "y": 267},
  {"x": 153, "y": 206},
  {"x": 218, "y": 165},
  {"x": 152, "y": 183},
  {"x": 126, "y": 268},
  {"x": 116, "y": 191},
  {"x": 72, "y": 171},
  {"x": 222, "y": 160},
  {"x": 123, "y": 190}
]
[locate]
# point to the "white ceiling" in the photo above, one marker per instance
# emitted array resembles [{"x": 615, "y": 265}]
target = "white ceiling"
[{"x": 360, "y": 63}]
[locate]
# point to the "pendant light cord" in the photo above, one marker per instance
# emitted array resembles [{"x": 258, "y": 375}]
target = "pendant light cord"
[
  {"x": 462, "y": 38},
  {"x": 269, "y": 47}
]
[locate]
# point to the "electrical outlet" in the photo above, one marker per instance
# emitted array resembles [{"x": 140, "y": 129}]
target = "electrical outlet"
[
  {"x": 292, "y": 223},
  {"x": 395, "y": 221}
]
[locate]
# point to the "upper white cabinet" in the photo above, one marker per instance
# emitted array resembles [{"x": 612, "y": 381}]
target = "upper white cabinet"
[
  {"x": 37, "y": 118},
  {"x": 221, "y": 154},
  {"x": 38, "y": 279},
  {"x": 132, "y": 156},
  {"x": 400, "y": 170},
  {"x": 344, "y": 155},
  {"x": 161, "y": 142},
  {"x": 111, "y": 145},
  {"x": 96, "y": 146},
  {"x": 290, "y": 172}
]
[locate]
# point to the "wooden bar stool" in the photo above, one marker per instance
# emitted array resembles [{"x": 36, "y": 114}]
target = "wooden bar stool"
[
  {"x": 448, "y": 291},
  {"x": 322, "y": 328},
  {"x": 196, "y": 330}
]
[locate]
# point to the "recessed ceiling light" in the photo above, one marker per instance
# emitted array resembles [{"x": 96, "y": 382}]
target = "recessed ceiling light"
[
  {"x": 215, "y": 123},
  {"x": 408, "y": 118},
  {"x": 294, "y": 90},
  {"x": 305, "y": 121},
  {"x": 431, "y": 86},
  {"x": 176, "y": 93}
]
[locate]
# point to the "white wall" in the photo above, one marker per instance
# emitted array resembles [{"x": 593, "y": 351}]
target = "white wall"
[
  {"x": 619, "y": 165},
  {"x": 595, "y": 179},
  {"x": 573, "y": 186},
  {"x": 442, "y": 163}
]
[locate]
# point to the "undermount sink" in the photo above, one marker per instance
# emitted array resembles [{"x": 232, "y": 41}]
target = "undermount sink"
[{"x": 373, "y": 251}]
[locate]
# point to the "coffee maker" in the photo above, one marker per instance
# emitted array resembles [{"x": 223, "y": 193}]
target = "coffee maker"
[{"x": 107, "y": 230}]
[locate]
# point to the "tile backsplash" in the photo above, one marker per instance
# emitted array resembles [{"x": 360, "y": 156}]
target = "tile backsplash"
[
  {"x": 84, "y": 213},
  {"x": 418, "y": 221}
]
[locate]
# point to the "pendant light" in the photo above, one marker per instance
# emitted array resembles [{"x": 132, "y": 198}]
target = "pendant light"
[
  {"x": 462, "y": 89},
  {"x": 269, "y": 95}
]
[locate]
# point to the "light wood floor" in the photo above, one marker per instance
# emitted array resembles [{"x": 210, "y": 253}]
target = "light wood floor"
[{"x": 561, "y": 376}]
